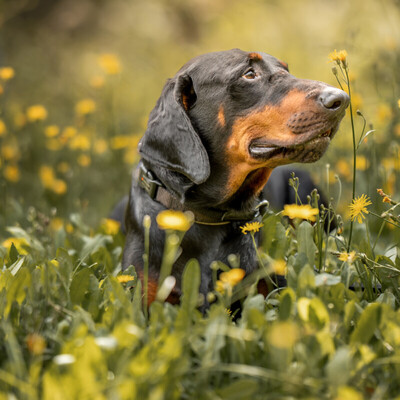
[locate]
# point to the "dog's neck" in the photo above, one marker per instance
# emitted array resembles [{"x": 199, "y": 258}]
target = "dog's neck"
[{"x": 158, "y": 191}]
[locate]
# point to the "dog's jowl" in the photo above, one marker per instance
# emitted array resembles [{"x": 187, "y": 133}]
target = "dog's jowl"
[{"x": 219, "y": 128}]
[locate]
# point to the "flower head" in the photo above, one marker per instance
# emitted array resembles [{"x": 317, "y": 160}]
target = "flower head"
[
  {"x": 51, "y": 131},
  {"x": 398, "y": 103},
  {"x": 11, "y": 173},
  {"x": 227, "y": 280},
  {"x": 7, "y": 73},
  {"x": 339, "y": 57},
  {"x": 300, "y": 211},
  {"x": 3, "y": 128},
  {"x": 125, "y": 278},
  {"x": 36, "y": 113},
  {"x": 279, "y": 267},
  {"x": 348, "y": 257},
  {"x": 36, "y": 344},
  {"x": 110, "y": 226},
  {"x": 251, "y": 227},
  {"x": 359, "y": 207},
  {"x": 19, "y": 243},
  {"x": 175, "y": 220},
  {"x": 85, "y": 106},
  {"x": 110, "y": 64}
]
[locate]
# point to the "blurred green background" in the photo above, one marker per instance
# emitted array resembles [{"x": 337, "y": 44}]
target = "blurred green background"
[{"x": 95, "y": 68}]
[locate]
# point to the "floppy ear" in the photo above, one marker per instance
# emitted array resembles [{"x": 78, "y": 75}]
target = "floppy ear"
[{"x": 170, "y": 140}]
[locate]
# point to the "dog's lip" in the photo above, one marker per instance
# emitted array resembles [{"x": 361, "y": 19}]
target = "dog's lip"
[{"x": 259, "y": 148}]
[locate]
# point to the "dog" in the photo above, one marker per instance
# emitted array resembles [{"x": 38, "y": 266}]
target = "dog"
[{"x": 219, "y": 128}]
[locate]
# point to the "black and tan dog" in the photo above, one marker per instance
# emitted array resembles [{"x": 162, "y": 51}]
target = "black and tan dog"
[{"x": 220, "y": 127}]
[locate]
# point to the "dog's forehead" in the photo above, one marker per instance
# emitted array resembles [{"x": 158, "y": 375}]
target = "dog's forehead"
[{"x": 224, "y": 62}]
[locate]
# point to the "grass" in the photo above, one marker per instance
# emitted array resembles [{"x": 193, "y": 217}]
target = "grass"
[{"x": 72, "y": 324}]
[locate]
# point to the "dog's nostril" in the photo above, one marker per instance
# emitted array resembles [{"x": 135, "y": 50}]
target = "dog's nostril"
[{"x": 334, "y": 99}]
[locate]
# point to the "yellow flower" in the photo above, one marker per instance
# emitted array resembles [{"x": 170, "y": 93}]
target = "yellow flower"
[
  {"x": 97, "y": 82},
  {"x": 279, "y": 267},
  {"x": 283, "y": 335},
  {"x": 51, "y": 131},
  {"x": 233, "y": 276},
  {"x": 19, "y": 243},
  {"x": 11, "y": 173},
  {"x": 175, "y": 220},
  {"x": 251, "y": 227},
  {"x": 3, "y": 128},
  {"x": 302, "y": 212},
  {"x": 385, "y": 198},
  {"x": 59, "y": 187},
  {"x": 110, "y": 64},
  {"x": 348, "y": 257},
  {"x": 362, "y": 163},
  {"x": 46, "y": 175},
  {"x": 10, "y": 152},
  {"x": 338, "y": 57},
  {"x": 110, "y": 226},
  {"x": 100, "y": 146},
  {"x": 68, "y": 132},
  {"x": 36, "y": 113},
  {"x": 7, "y": 73},
  {"x": 121, "y": 142},
  {"x": 84, "y": 160},
  {"x": 36, "y": 344},
  {"x": 85, "y": 106},
  {"x": 398, "y": 103},
  {"x": 384, "y": 113},
  {"x": 56, "y": 224},
  {"x": 359, "y": 207},
  {"x": 125, "y": 278},
  {"x": 79, "y": 142}
]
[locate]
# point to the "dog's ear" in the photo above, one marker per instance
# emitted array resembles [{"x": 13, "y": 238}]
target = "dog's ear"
[{"x": 170, "y": 140}]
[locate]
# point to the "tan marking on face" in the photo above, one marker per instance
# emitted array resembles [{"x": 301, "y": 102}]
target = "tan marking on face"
[
  {"x": 270, "y": 124},
  {"x": 255, "y": 56},
  {"x": 285, "y": 65},
  {"x": 221, "y": 116}
]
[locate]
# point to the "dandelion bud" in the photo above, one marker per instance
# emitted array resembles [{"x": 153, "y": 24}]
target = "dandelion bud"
[
  {"x": 147, "y": 222},
  {"x": 334, "y": 71}
]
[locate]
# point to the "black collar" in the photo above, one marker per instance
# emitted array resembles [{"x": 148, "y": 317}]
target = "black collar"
[{"x": 157, "y": 191}]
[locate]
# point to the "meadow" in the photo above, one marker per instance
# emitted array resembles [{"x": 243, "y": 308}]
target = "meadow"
[{"x": 77, "y": 81}]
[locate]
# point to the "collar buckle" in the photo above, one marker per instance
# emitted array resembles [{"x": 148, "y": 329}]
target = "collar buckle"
[{"x": 148, "y": 182}]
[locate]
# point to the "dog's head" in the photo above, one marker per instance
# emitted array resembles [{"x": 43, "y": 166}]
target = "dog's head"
[{"x": 228, "y": 118}]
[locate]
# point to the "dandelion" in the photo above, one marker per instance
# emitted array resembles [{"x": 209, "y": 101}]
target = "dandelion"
[
  {"x": 10, "y": 152},
  {"x": 110, "y": 64},
  {"x": 398, "y": 103},
  {"x": 19, "y": 243},
  {"x": 175, "y": 220},
  {"x": 68, "y": 132},
  {"x": 385, "y": 198},
  {"x": 125, "y": 278},
  {"x": 54, "y": 144},
  {"x": 97, "y": 82},
  {"x": 227, "y": 280},
  {"x": 46, "y": 175},
  {"x": 56, "y": 224},
  {"x": 79, "y": 142},
  {"x": 279, "y": 267},
  {"x": 359, "y": 207},
  {"x": 347, "y": 257},
  {"x": 3, "y": 128},
  {"x": 51, "y": 131},
  {"x": 11, "y": 173},
  {"x": 85, "y": 106},
  {"x": 36, "y": 344},
  {"x": 339, "y": 57},
  {"x": 300, "y": 211},
  {"x": 84, "y": 160},
  {"x": 100, "y": 146},
  {"x": 59, "y": 187},
  {"x": 36, "y": 113},
  {"x": 63, "y": 167},
  {"x": 110, "y": 226},
  {"x": 251, "y": 227},
  {"x": 7, "y": 73}
]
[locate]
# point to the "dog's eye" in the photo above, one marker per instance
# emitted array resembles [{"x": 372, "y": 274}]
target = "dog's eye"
[{"x": 250, "y": 74}]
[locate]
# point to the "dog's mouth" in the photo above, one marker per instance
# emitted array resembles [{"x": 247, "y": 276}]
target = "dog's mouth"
[{"x": 309, "y": 150}]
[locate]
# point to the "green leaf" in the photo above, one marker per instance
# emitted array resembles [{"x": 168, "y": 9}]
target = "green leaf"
[
  {"x": 339, "y": 367},
  {"x": 325, "y": 279},
  {"x": 241, "y": 389},
  {"x": 16, "y": 290},
  {"x": 80, "y": 285},
  {"x": 190, "y": 285},
  {"x": 366, "y": 325},
  {"x": 306, "y": 281},
  {"x": 286, "y": 303},
  {"x": 13, "y": 254},
  {"x": 305, "y": 241}
]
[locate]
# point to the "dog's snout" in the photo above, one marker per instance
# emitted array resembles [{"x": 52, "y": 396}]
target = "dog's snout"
[{"x": 334, "y": 99}]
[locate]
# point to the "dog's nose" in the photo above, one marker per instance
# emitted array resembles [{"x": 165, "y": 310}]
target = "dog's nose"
[{"x": 334, "y": 99}]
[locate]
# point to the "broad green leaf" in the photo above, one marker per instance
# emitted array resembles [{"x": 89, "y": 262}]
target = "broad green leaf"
[
  {"x": 338, "y": 369},
  {"x": 286, "y": 302},
  {"x": 241, "y": 389},
  {"x": 16, "y": 290},
  {"x": 80, "y": 285},
  {"x": 366, "y": 325},
  {"x": 306, "y": 281},
  {"x": 317, "y": 313},
  {"x": 16, "y": 266},
  {"x": 190, "y": 286},
  {"x": 305, "y": 241}
]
